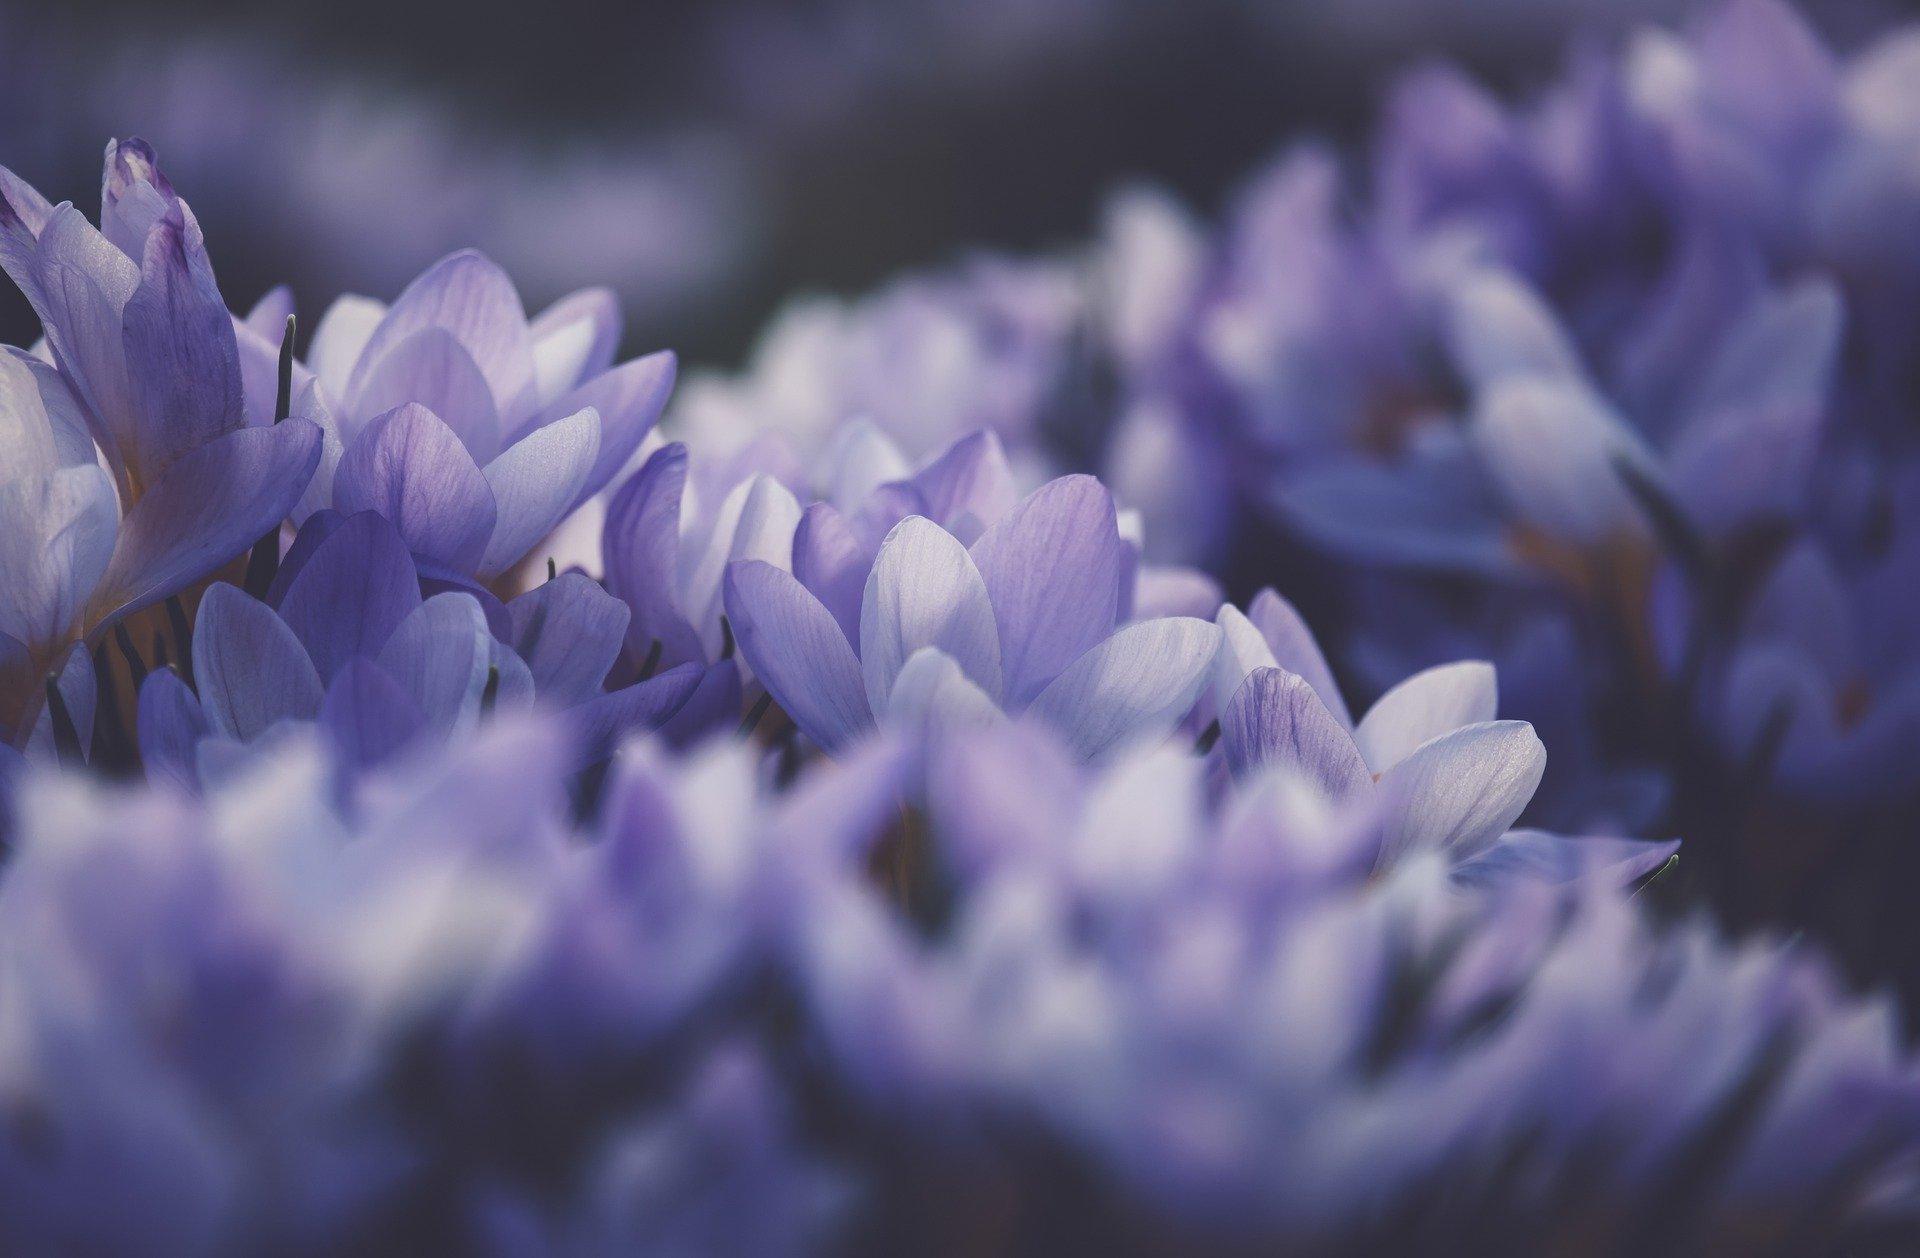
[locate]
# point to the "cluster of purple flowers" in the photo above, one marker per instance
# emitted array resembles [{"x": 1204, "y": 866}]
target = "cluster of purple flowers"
[
  {"x": 441, "y": 815},
  {"x": 1613, "y": 388}
]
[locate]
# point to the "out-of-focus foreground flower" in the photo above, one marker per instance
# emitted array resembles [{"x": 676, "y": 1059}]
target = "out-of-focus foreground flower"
[{"x": 428, "y": 1012}]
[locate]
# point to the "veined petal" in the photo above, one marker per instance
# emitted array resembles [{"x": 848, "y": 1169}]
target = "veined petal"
[
  {"x": 1460, "y": 791},
  {"x": 368, "y": 715},
  {"x": 925, "y": 592},
  {"x": 440, "y": 655},
  {"x": 183, "y": 364},
  {"x": 471, "y": 298},
  {"x": 1052, "y": 567},
  {"x": 432, "y": 368},
  {"x": 797, "y": 651},
  {"x": 170, "y": 725},
  {"x": 340, "y": 339},
  {"x": 640, "y": 554},
  {"x": 832, "y": 562},
  {"x": 210, "y": 506},
  {"x": 569, "y": 632},
  {"x": 1296, "y": 649},
  {"x": 1277, "y": 718},
  {"x": 1242, "y": 650},
  {"x": 250, "y": 669},
  {"x": 628, "y": 400},
  {"x": 968, "y": 486},
  {"x": 536, "y": 481},
  {"x": 57, "y": 534},
  {"x": 1426, "y": 705},
  {"x": 1134, "y": 686},
  {"x": 411, "y": 468},
  {"x": 933, "y": 695},
  {"x": 601, "y": 721},
  {"x": 352, "y": 593}
]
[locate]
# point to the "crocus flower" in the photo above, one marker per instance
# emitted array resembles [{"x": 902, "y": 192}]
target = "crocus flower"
[
  {"x": 1028, "y": 619},
  {"x": 474, "y": 429},
  {"x": 345, "y": 640},
  {"x": 188, "y": 472}
]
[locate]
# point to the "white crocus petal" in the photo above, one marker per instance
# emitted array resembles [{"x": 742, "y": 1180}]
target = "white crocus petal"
[
  {"x": 1461, "y": 791},
  {"x": 924, "y": 591},
  {"x": 1423, "y": 707},
  {"x": 862, "y": 459},
  {"x": 535, "y": 482}
]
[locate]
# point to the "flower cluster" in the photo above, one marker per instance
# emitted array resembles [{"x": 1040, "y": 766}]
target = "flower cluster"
[
  {"x": 834, "y": 830},
  {"x": 1613, "y": 388}
]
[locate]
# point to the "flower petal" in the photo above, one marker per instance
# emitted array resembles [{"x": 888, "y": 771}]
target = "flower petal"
[
  {"x": 602, "y": 721},
  {"x": 250, "y": 669},
  {"x": 569, "y": 631},
  {"x": 354, "y": 591},
  {"x": 628, "y": 400},
  {"x": 574, "y": 339},
  {"x": 170, "y": 725},
  {"x": 440, "y": 655},
  {"x": 925, "y": 592},
  {"x": 340, "y": 339},
  {"x": 1052, "y": 567},
  {"x": 967, "y": 486},
  {"x": 797, "y": 651},
  {"x": 1426, "y": 705},
  {"x": 368, "y": 715},
  {"x": 933, "y": 695},
  {"x": 1242, "y": 650},
  {"x": 209, "y": 507},
  {"x": 183, "y": 364},
  {"x": 535, "y": 483},
  {"x": 411, "y": 468},
  {"x": 471, "y": 298},
  {"x": 432, "y": 368},
  {"x": 1296, "y": 649},
  {"x": 1460, "y": 791},
  {"x": 1134, "y": 686},
  {"x": 640, "y": 546},
  {"x": 832, "y": 562},
  {"x": 1277, "y": 718}
]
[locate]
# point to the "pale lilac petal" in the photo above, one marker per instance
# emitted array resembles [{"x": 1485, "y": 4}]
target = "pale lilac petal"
[
  {"x": 1132, "y": 687},
  {"x": 1426, "y": 705},
  {"x": 1276, "y": 717},
  {"x": 932, "y": 695},
  {"x": 134, "y": 195},
  {"x": 250, "y": 669},
  {"x": 1052, "y": 567},
  {"x": 640, "y": 555},
  {"x": 354, "y": 590},
  {"x": 833, "y": 563},
  {"x": 574, "y": 339},
  {"x": 475, "y": 301},
  {"x": 1461, "y": 791},
  {"x": 268, "y": 318},
  {"x": 1554, "y": 447},
  {"x": 535, "y": 483},
  {"x": 183, "y": 363},
  {"x": 859, "y": 461},
  {"x": 1296, "y": 649},
  {"x": 628, "y": 400},
  {"x": 797, "y": 651},
  {"x": 211, "y": 505},
  {"x": 432, "y": 368},
  {"x": 1174, "y": 591},
  {"x": 569, "y": 631},
  {"x": 756, "y": 520},
  {"x": 83, "y": 284},
  {"x": 1242, "y": 650},
  {"x": 57, "y": 534},
  {"x": 968, "y": 486},
  {"x": 339, "y": 340},
  {"x": 1498, "y": 327},
  {"x": 925, "y": 592},
  {"x": 170, "y": 725},
  {"x": 23, "y": 216},
  {"x": 368, "y": 715},
  {"x": 411, "y": 468},
  {"x": 440, "y": 655}
]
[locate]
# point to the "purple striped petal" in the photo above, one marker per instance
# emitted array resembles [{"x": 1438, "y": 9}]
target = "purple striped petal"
[
  {"x": 640, "y": 553},
  {"x": 1277, "y": 718},
  {"x": 1052, "y": 568},
  {"x": 832, "y": 562},
  {"x": 797, "y": 651},
  {"x": 170, "y": 725},
  {"x": 411, "y": 468},
  {"x": 925, "y": 592},
  {"x": 355, "y": 590},
  {"x": 569, "y": 632},
  {"x": 1296, "y": 649},
  {"x": 440, "y": 655},
  {"x": 432, "y": 368},
  {"x": 472, "y": 299},
  {"x": 183, "y": 363},
  {"x": 250, "y": 669}
]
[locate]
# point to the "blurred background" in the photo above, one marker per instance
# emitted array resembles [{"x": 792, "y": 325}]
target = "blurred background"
[{"x": 710, "y": 159}]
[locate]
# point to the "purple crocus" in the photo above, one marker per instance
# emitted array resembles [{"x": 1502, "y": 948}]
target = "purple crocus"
[
  {"x": 474, "y": 429},
  {"x": 1031, "y": 618},
  {"x": 346, "y": 641},
  {"x": 143, "y": 458}
]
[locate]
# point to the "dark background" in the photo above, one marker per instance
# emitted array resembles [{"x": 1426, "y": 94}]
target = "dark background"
[{"x": 710, "y": 159}]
